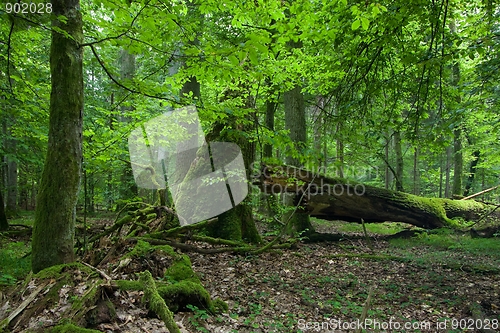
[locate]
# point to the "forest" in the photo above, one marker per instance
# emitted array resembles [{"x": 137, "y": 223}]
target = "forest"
[{"x": 250, "y": 166}]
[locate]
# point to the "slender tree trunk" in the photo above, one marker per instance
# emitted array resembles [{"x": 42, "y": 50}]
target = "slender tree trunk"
[
  {"x": 457, "y": 133},
  {"x": 128, "y": 187},
  {"x": 54, "y": 228},
  {"x": 340, "y": 156},
  {"x": 387, "y": 170},
  {"x": 457, "y": 163},
  {"x": 268, "y": 203},
  {"x": 448, "y": 172},
  {"x": 440, "y": 176},
  {"x": 270, "y": 111},
  {"x": 4, "y": 225},
  {"x": 399, "y": 161},
  {"x": 11, "y": 179},
  {"x": 23, "y": 190},
  {"x": 318, "y": 129},
  {"x": 295, "y": 122},
  {"x": 416, "y": 173},
  {"x": 472, "y": 172}
]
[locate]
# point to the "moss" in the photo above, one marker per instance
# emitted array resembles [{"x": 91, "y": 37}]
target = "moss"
[
  {"x": 157, "y": 303},
  {"x": 179, "y": 295},
  {"x": 181, "y": 270},
  {"x": 220, "y": 306},
  {"x": 70, "y": 328},
  {"x": 228, "y": 226},
  {"x": 142, "y": 248},
  {"x": 129, "y": 285},
  {"x": 57, "y": 271}
]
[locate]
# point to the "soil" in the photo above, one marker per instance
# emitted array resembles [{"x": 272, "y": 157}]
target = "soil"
[{"x": 318, "y": 287}]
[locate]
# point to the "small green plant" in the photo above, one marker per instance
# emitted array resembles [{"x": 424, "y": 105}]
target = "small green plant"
[
  {"x": 255, "y": 310},
  {"x": 198, "y": 315}
]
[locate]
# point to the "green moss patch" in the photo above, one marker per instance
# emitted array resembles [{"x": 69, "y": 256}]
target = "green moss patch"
[{"x": 70, "y": 328}]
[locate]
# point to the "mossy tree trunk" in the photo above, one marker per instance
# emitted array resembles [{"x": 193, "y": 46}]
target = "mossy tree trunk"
[
  {"x": 237, "y": 223},
  {"x": 295, "y": 122},
  {"x": 53, "y": 232},
  {"x": 128, "y": 187},
  {"x": 339, "y": 199}
]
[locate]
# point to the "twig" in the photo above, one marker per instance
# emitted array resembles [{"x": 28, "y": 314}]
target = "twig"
[
  {"x": 364, "y": 313},
  {"x": 368, "y": 239},
  {"x": 482, "y": 192},
  {"x": 104, "y": 275},
  {"x": 4, "y": 323}
]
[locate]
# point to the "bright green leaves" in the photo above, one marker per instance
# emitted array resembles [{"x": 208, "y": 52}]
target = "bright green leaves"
[{"x": 362, "y": 18}]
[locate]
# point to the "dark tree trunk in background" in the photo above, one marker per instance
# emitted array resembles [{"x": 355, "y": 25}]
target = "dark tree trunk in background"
[
  {"x": 11, "y": 179},
  {"x": 399, "y": 161},
  {"x": 270, "y": 111},
  {"x": 448, "y": 173},
  {"x": 54, "y": 228},
  {"x": 457, "y": 163},
  {"x": 4, "y": 225},
  {"x": 295, "y": 122},
  {"x": 472, "y": 172},
  {"x": 416, "y": 172},
  {"x": 128, "y": 187}
]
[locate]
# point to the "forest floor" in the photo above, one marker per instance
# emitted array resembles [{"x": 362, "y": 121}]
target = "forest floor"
[{"x": 439, "y": 282}]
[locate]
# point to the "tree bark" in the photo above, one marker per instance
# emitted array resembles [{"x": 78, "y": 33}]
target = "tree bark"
[
  {"x": 128, "y": 187},
  {"x": 54, "y": 228},
  {"x": 295, "y": 122},
  {"x": 472, "y": 172},
  {"x": 399, "y": 161},
  {"x": 337, "y": 199},
  {"x": 457, "y": 163},
  {"x": 11, "y": 183},
  {"x": 4, "y": 225}
]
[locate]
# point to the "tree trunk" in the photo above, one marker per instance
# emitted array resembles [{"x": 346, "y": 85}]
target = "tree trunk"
[
  {"x": 54, "y": 228},
  {"x": 270, "y": 111},
  {"x": 11, "y": 183},
  {"x": 237, "y": 223},
  {"x": 458, "y": 163},
  {"x": 128, "y": 187},
  {"x": 387, "y": 170},
  {"x": 4, "y": 225},
  {"x": 295, "y": 122},
  {"x": 336, "y": 199},
  {"x": 472, "y": 172},
  {"x": 416, "y": 172},
  {"x": 399, "y": 161},
  {"x": 448, "y": 172}
]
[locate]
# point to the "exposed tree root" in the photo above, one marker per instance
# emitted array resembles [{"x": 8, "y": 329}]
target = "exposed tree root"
[{"x": 157, "y": 303}]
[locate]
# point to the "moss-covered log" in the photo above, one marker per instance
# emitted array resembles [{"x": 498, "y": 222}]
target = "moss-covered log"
[{"x": 340, "y": 199}]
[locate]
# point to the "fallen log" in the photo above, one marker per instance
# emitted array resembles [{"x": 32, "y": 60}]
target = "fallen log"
[{"x": 340, "y": 199}]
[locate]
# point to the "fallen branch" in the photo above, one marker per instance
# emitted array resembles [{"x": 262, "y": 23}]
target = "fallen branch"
[
  {"x": 102, "y": 273},
  {"x": 4, "y": 323},
  {"x": 192, "y": 248},
  {"x": 482, "y": 192}
]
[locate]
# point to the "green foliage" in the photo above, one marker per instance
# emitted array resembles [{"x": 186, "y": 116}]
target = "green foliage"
[{"x": 15, "y": 263}]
